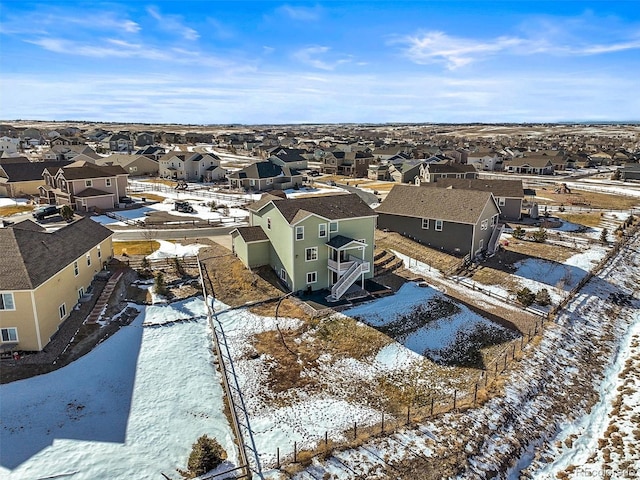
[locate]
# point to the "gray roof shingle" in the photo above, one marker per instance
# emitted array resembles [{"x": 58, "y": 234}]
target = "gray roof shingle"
[
  {"x": 31, "y": 255},
  {"x": 451, "y": 205}
]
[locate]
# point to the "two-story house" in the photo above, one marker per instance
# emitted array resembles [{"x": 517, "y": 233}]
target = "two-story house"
[
  {"x": 44, "y": 274},
  {"x": 431, "y": 171},
  {"x": 264, "y": 176},
  {"x": 190, "y": 166},
  {"x": 84, "y": 186},
  {"x": 462, "y": 222},
  {"x": 23, "y": 177},
  {"x": 312, "y": 243}
]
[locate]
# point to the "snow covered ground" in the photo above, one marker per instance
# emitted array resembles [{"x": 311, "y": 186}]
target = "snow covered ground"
[
  {"x": 7, "y": 202},
  {"x": 129, "y": 409}
]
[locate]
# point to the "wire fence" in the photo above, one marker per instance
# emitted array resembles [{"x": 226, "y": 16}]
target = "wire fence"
[{"x": 231, "y": 199}]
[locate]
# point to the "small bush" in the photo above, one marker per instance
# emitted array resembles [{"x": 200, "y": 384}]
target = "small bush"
[
  {"x": 206, "y": 454},
  {"x": 540, "y": 235},
  {"x": 518, "y": 233},
  {"x": 526, "y": 297},
  {"x": 159, "y": 285},
  {"x": 604, "y": 236},
  {"x": 543, "y": 298}
]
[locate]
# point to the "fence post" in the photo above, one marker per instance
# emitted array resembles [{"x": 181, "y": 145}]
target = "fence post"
[
  {"x": 326, "y": 439},
  {"x": 521, "y": 342},
  {"x": 475, "y": 395},
  {"x": 295, "y": 452},
  {"x": 455, "y": 398},
  {"x": 513, "y": 355},
  {"x": 408, "y": 412},
  {"x": 505, "y": 362},
  {"x": 432, "y": 399},
  {"x": 382, "y": 429},
  {"x": 355, "y": 430},
  {"x": 278, "y": 457}
]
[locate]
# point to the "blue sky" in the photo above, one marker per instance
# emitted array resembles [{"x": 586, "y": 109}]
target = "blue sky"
[{"x": 210, "y": 62}]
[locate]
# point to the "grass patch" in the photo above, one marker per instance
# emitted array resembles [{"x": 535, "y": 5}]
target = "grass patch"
[
  {"x": 149, "y": 196},
  {"x": 344, "y": 337},
  {"x": 435, "y": 258},
  {"x": 137, "y": 247},
  {"x": 161, "y": 181},
  {"x": 591, "y": 219},
  {"x": 8, "y": 210},
  {"x": 546, "y": 251},
  {"x": 588, "y": 199}
]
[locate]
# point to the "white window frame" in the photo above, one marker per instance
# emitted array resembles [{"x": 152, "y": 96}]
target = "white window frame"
[
  {"x": 76, "y": 269},
  {"x": 425, "y": 224},
  {"x": 6, "y": 333},
  {"x": 322, "y": 230},
  {"x": 333, "y": 227},
  {"x": 438, "y": 226},
  {"x": 88, "y": 183},
  {"x": 99, "y": 252},
  {"x": 12, "y": 302},
  {"x": 268, "y": 223},
  {"x": 80, "y": 292},
  {"x": 502, "y": 201},
  {"x": 62, "y": 311},
  {"x": 269, "y": 181},
  {"x": 311, "y": 254},
  {"x": 89, "y": 259},
  {"x": 484, "y": 225},
  {"x": 252, "y": 182},
  {"x": 107, "y": 182},
  {"x": 313, "y": 279},
  {"x": 299, "y": 232},
  {"x": 283, "y": 274}
]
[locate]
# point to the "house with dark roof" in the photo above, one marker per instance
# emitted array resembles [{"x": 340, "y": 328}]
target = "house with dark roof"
[
  {"x": 536, "y": 165},
  {"x": 44, "y": 274},
  {"x": 23, "y": 177},
  {"x": 432, "y": 171},
  {"x": 508, "y": 193},
  {"x": 458, "y": 221},
  {"x": 265, "y": 176},
  {"x": 312, "y": 243},
  {"x": 630, "y": 171},
  {"x": 84, "y": 186},
  {"x": 289, "y": 157}
]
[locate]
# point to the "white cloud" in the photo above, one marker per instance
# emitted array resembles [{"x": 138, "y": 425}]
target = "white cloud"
[
  {"x": 306, "y": 14},
  {"x": 311, "y": 56},
  {"x": 173, "y": 24},
  {"x": 559, "y": 39}
]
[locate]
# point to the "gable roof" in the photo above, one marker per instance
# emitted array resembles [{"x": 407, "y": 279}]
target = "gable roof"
[
  {"x": 263, "y": 170},
  {"x": 32, "y": 255},
  {"x": 81, "y": 170},
  {"x": 499, "y": 188},
  {"x": 29, "y": 171},
  {"x": 449, "y": 168},
  {"x": 331, "y": 207},
  {"x": 451, "y": 205},
  {"x": 252, "y": 234}
]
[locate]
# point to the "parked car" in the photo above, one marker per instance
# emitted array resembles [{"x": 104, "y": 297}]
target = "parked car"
[
  {"x": 44, "y": 211},
  {"x": 184, "y": 207}
]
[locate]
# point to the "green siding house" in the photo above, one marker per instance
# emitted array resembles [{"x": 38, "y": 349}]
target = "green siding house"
[{"x": 312, "y": 243}]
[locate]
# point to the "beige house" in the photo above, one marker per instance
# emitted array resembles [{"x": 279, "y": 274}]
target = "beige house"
[
  {"x": 85, "y": 186},
  {"x": 44, "y": 275}
]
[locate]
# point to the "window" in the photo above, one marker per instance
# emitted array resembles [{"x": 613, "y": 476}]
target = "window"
[
  {"x": 99, "y": 252},
  {"x": 333, "y": 227},
  {"x": 438, "y": 225},
  {"x": 108, "y": 182},
  {"x": 62, "y": 310},
  {"x": 76, "y": 270},
  {"x": 299, "y": 233},
  {"x": 252, "y": 182},
  {"x": 133, "y": 169},
  {"x": 9, "y": 334},
  {"x": 88, "y": 183},
  {"x": 268, "y": 223},
  {"x": 6, "y": 301},
  {"x": 80, "y": 293},
  {"x": 501, "y": 201},
  {"x": 269, "y": 181},
  {"x": 425, "y": 223},
  {"x": 283, "y": 274},
  {"x": 322, "y": 230},
  {"x": 311, "y": 254},
  {"x": 484, "y": 225},
  {"x": 312, "y": 277},
  {"x": 88, "y": 259}
]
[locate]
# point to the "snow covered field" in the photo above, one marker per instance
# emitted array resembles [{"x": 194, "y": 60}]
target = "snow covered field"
[{"x": 129, "y": 409}]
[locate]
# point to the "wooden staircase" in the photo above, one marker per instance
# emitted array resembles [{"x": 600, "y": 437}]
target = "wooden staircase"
[{"x": 103, "y": 299}]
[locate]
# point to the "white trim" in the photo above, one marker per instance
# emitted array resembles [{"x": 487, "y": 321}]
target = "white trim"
[
  {"x": 15, "y": 329},
  {"x": 441, "y": 222},
  {"x": 427, "y": 224},
  {"x": 35, "y": 319},
  {"x": 301, "y": 227},
  {"x": 306, "y": 254},
  {"x": 13, "y": 302},
  {"x": 315, "y": 275}
]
